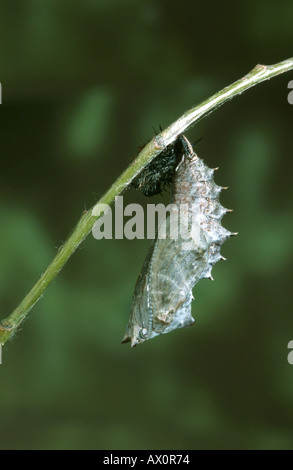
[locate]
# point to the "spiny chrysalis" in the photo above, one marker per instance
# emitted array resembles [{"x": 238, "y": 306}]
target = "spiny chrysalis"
[{"x": 163, "y": 292}]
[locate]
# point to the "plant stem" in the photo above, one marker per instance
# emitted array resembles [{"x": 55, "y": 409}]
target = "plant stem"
[{"x": 259, "y": 74}]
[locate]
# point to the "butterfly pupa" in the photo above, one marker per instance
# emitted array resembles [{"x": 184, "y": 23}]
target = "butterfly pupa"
[{"x": 163, "y": 292}]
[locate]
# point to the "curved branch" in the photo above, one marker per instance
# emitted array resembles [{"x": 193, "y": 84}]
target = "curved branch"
[{"x": 259, "y": 74}]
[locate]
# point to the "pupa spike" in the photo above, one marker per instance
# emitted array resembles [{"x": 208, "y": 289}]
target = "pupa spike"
[
  {"x": 125, "y": 339},
  {"x": 134, "y": 342}
]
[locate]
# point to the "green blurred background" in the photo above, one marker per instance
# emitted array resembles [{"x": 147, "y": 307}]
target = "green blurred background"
[{"x": 84, "y": 84}]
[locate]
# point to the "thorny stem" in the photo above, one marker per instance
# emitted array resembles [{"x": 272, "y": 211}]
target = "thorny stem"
[{"x": 259, "y": 74}]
